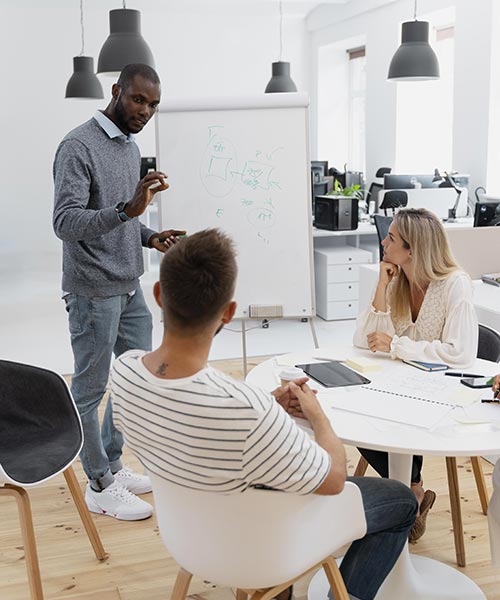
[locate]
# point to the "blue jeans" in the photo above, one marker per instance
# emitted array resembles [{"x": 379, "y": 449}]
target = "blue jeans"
[
  {"x": 390, "y": 511},
  {"x": 100, "y": 327}
]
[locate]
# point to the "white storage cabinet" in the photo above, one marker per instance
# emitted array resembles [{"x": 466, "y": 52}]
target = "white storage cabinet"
[{"x": 337, "y": 281}]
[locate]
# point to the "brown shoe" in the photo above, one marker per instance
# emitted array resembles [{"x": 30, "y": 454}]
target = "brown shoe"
[{"x": 418, "y": 529}]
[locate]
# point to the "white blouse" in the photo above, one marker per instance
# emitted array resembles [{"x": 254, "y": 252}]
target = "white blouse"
[{"x": 445, "y": 331}]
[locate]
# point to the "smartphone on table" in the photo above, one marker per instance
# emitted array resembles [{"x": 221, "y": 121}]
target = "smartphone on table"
[{"x": 478, "y": 382}]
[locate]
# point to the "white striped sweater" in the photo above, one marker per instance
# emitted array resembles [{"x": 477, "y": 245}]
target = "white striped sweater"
[{"x": 211, "y": 432}]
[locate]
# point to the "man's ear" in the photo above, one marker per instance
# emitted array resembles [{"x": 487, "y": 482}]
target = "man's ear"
[
  {"x": 157, "y": 293},
  {"x": 115, "y": 91},
  {"x": 229, "y": 311}
]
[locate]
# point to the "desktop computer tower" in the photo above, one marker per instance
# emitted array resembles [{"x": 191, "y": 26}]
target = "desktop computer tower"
[{"x": 336, "y": 213}]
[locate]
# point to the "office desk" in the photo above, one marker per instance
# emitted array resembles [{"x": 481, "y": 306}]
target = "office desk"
[
  {"x": 413, "y": 577},
  {"x": 487, "y": 304}
]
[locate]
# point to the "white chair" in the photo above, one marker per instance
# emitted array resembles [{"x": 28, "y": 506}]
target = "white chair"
[
  {"x": 40, "y": 437},
  {"x": 258, "y": 542}
]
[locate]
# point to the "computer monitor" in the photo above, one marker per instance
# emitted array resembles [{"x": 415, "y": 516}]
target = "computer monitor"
[
  {"x": 407, "y": 182},
  {"x": 487, "y": 214}
]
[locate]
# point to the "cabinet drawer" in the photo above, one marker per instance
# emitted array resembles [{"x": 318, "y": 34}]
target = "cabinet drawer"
[
  {"x": 341, "y": 273},
  {"x": 342, "y": 255},
  {"x": 342, "y": 291},
  {"x": 347, "y": 309}
]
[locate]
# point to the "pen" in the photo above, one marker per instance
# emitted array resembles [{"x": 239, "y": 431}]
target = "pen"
[
  {"x": 493, "y": 400},
  {"x": 462, "y": 374}
]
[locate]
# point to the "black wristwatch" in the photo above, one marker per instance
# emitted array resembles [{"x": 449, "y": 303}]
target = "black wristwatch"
[{"x": 120, "y": 211}]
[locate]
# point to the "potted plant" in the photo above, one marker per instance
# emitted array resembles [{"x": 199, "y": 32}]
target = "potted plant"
[{"x": 353, "y": 191}]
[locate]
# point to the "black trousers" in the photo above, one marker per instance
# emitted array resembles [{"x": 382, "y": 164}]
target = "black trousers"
[{"x": 380, "y": 462}]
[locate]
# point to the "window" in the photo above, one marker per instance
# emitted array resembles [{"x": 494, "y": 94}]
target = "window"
[
  {"x": 424, "y": 128},
  {"x": 357, "y": 100},
  {"x": 341, "y": 104}
]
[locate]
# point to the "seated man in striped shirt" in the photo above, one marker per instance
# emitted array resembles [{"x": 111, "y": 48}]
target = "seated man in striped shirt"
[{"x": 198, "y": 427}]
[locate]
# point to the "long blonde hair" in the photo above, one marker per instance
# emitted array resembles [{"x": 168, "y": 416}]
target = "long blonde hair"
[{"x": 423, "y": 233}]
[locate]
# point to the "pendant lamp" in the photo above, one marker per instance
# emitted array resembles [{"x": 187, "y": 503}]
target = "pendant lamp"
[
  {"x": 281, "y": 80},
  {"x": 414, "y": 60},
  {"x": 83, "y": 83},
  {"x": 125, "y": 44}
]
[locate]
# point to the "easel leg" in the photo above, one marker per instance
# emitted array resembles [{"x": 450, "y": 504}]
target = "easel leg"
[
  {"x": 244, "y": 343},
  {"x": 313, "y": 332}
]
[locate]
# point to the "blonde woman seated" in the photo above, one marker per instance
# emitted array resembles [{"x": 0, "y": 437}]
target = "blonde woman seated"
[{"x": 422, "y": 310}]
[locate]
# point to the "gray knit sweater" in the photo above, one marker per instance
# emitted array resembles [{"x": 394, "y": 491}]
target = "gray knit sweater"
[{"x": 102, "y": 256}]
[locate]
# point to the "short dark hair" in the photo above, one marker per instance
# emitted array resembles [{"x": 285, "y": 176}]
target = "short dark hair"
[
  {"x": 197, "y": 279},
  {"x": 129, "y": 72}
]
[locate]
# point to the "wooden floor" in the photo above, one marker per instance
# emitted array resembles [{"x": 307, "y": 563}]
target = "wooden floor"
[{"x": 139, "y": 567}]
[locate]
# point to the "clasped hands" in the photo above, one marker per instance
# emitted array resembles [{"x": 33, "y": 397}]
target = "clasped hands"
[{"x": 288, "y": 399}]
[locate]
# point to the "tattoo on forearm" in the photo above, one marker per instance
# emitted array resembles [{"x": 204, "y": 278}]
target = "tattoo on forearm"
[{"x": 162, "y": 369}]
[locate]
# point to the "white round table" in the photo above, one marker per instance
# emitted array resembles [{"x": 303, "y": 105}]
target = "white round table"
[{"x": 413, "y": 577}]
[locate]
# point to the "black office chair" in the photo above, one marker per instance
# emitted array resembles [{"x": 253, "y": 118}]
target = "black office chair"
[
  {"x": 382, "y": 224},
  {"x": 381, "y": 171},
  {"x": 488, "y": 349},
  {"x": 40, "y": 436},
  {"x": 393, "y": 199},
  {"x": 488, "y": 345}
]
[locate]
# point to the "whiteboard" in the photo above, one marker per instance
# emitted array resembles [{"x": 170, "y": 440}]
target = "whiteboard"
[{"x": 242, "y": 165}]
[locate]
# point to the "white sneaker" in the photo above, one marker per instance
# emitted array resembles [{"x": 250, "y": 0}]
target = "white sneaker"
[
  {"x": 116, "y": 501},
  {"x": 135, "y": 483}
]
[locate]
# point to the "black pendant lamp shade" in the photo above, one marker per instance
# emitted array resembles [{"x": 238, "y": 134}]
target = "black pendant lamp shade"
[
  {"x": 414, "y": 60},
  {"x": 281, "y": 80},
  {"x": 125, "y": 44},
  {"x": 83, "y": 83}
]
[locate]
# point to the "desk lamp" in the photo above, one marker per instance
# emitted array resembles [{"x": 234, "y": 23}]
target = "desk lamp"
[{"x": 449, "y": 182}]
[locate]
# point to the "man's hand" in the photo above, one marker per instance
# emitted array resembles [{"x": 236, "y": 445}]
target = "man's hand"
[
  {"x": 387, "y": 272},
  {"x": 309, "y": 404},
  {"x": 144, "y": 193},
  {"x": 165, "y": 240},
  {"x": 496, "y": 384},
  {"x": 288, "y": 400},
  {"x": 378, "y": 341}
]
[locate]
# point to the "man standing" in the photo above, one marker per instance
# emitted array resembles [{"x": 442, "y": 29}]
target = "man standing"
[
  {"x": 98, "y": 199},
  {"x": 199, "y": 428}
]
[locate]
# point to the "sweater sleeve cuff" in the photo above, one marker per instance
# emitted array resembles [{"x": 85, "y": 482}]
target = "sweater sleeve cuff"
[
  {"x": 146, "y": 235},
  {"x": 394, "y": 347},
  {"x": 379, "y": 312}
]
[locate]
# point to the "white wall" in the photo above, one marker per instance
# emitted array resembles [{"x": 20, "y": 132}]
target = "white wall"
[
  {"x": 472, "y": 77},
  {"x": 197, "y": 52}
]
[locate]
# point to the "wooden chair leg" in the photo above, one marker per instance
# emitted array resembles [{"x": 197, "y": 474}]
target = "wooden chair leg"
[
  {"x": 81, "y": 506},
  {"x": 361, "y": 467},
  {"x": 456, "y": 512},
  {"x": 480, "y": 483},
  {"x": 181, "y": 585},
  {"x": 335, "y": 580},
  {"x": 28, "y": 533}
]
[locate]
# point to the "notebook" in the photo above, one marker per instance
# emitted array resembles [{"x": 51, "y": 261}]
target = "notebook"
[{"x": 426, "y": 366}]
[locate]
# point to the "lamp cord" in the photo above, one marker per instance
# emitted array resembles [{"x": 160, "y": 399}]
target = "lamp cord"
[
  {"x": 124, "y": 4},
  {"x": 415, "y": 11},
  {"x": 281, "y": 28},
  {"x": 82, "y": 53}
]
